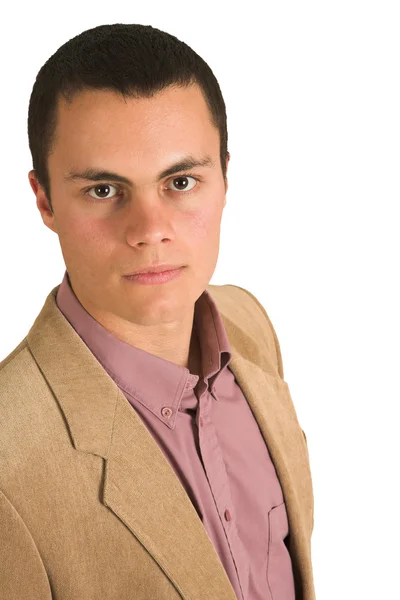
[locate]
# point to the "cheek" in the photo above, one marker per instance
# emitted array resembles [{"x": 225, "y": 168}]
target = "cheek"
[
  {"x": 202, "y": 224},
  {"x": 86, "y": 237}
]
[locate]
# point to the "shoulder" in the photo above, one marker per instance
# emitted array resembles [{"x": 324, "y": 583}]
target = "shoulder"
[
  {"x": 245, "y": 310},
  {"x": 15, "y": 370},
  {"x": 14, "y": 353},
  {"x": 23, "y": 398}
]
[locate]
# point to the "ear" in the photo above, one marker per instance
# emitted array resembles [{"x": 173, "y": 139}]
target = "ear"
[
  {"x": 228, "y": 156},
  {"x": 42, "y": 201}
]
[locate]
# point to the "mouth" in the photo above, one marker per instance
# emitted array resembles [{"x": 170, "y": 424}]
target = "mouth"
[
  {"x": 155, "y": 269},
  {"x": 155, "y": 277}
]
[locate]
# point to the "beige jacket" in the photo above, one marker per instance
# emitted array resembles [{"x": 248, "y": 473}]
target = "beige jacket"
[{"x": 92, "y": 439}]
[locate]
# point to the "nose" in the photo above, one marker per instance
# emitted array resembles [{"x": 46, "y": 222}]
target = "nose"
[{"x": 149, "y": 220}]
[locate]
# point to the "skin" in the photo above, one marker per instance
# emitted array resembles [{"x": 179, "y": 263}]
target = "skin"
[{"x": 136, "y": 225}]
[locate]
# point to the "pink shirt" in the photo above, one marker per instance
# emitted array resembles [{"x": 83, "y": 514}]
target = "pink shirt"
[{"x": 209, "y": 436}]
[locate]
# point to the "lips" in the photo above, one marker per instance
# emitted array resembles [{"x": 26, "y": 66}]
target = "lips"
[
  {"x": 155, "y": 278},
  {"x": 155, "y": 269}
]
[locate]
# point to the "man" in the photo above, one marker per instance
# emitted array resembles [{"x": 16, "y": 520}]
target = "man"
[{"x": 150, "y": 448}]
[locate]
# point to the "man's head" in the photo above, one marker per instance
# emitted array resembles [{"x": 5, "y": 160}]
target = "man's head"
[{"x": 133, "y": 101}]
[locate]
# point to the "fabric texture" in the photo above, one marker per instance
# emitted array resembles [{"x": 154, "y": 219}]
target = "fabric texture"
[{"x": 124, "y": 475}]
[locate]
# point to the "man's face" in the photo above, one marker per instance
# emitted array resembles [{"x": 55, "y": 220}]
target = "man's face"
[{"x": 108, "y": 229}]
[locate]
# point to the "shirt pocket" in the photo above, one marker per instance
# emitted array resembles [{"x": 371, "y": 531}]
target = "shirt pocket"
[{"x": 279, "y": 564}]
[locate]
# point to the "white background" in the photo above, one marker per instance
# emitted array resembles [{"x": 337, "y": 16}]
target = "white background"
[{"x": 310, "y": 227}]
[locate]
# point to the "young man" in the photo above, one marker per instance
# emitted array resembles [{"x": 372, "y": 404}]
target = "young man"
[{"x": 149, "y": 444}]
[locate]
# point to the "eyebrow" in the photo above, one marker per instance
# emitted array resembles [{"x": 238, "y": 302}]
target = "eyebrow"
[{"x": 93, "y": 174}]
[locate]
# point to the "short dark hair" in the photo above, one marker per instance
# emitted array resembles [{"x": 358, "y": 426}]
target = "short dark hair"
[{"x": 131, "y": 59}]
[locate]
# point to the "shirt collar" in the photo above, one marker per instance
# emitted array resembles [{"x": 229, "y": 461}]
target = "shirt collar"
[{"x": 143, "y": 375}]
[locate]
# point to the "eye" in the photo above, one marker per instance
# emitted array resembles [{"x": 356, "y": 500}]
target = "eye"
[
  {"x": 181, "y": 182},
  {"x": 103, "y": 189}
]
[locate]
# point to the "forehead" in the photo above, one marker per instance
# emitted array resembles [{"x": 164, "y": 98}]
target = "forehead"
[
  {"x": 103, "y": 117},
  {"x": 136, "y": 136}
]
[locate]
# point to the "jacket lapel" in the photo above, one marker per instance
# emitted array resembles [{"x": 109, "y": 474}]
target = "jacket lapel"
[{"x": 140, "y": 486}]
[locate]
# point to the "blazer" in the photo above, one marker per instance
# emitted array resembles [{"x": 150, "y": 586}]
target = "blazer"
[{"x": 165, "y": 552}]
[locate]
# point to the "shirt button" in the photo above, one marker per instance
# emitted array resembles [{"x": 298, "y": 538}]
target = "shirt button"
[
  {"x": 227, "y": 515},
  {"x": 166, "y": 412}
]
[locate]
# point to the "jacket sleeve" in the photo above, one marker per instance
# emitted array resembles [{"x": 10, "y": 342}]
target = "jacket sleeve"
[{"x": 22, "y": 573}]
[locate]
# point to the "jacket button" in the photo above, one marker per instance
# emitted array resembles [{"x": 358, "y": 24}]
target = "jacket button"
[{"x": 227, "y": 515}]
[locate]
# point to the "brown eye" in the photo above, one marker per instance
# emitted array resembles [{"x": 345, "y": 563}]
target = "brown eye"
[
  {"x": 102, "y": 191},
  {"x": 182, "y": 184}
]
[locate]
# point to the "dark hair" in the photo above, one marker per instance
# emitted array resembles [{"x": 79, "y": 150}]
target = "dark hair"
[{"x": 134, "y": 60}]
